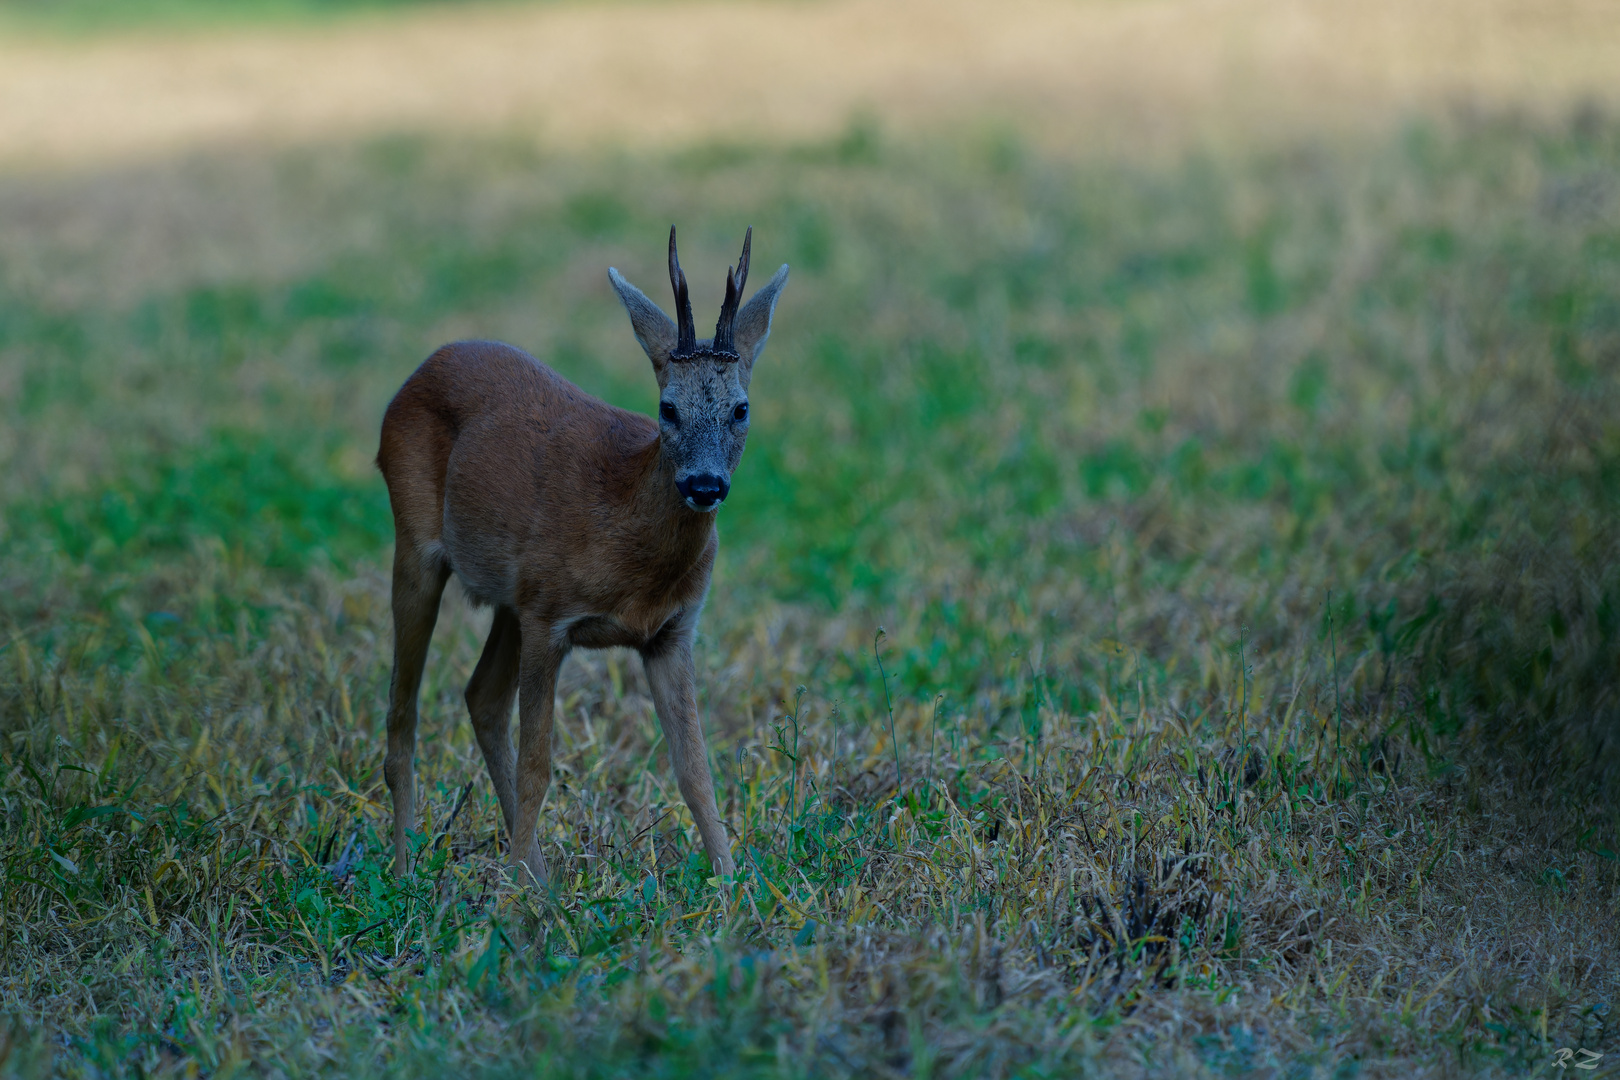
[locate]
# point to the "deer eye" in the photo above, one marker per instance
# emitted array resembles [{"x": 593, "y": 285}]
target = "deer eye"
[
  {"x": 666, "y": 410},
  {"x": 740, "y": 413}
]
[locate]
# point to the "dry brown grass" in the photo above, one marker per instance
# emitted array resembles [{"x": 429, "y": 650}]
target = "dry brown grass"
[
  {"x": 1139, "y": 77},
  {"x": 1092, "y": 442}
]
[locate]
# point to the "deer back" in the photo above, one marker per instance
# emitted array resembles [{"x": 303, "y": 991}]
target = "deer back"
[{"x": 547, "y": 499}]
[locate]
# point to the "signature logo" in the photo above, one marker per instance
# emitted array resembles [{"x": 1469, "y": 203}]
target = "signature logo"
[{"x": 1565, "y": 1056}]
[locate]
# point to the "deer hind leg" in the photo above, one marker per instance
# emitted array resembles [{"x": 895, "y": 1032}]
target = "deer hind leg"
[
  {"x": 671, "y": 676},
  {"x": 539, "y": 658},
  {"x": 415, "y": 448},
  {"x": 489, "y": 699},
  {"x": 418, "y": 586}
]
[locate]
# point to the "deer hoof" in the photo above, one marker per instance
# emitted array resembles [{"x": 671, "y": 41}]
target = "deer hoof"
[{"x": 531, "y": 869}]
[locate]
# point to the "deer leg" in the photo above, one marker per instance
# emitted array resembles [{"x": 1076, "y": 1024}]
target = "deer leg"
[
  {"x": 489, "y": 700},
  {"x": 671, "y": 676},
  {"x": 418, "y": 585},
  {"x": 539, "y": 658}
]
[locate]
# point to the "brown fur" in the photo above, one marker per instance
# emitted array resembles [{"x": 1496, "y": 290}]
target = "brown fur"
[{"x": 561, "y": 512}]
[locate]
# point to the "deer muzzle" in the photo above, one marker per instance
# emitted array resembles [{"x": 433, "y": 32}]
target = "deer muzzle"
[{"x": 703, "y": 491}]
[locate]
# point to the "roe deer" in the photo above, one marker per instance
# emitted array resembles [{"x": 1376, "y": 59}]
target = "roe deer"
[{"x": 579, "y": 523}]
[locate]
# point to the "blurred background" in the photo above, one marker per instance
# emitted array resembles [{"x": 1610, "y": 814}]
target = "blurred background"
[
  {"x": 219, "y": 215},
  {"x": 1265, "y": 350},
  {"x": 97, "y": 81}
]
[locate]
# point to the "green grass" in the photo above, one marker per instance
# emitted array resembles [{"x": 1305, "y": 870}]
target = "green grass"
[{"x": 1243, "y": 533}]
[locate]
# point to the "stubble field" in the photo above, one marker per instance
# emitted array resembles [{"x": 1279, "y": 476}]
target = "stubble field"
[{"x": 1166, "y": 622}]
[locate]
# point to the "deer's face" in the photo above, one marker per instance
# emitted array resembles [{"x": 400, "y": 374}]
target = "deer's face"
[
  {"x": 703, "y": 385},
  {"x": 703, "y": 423}
]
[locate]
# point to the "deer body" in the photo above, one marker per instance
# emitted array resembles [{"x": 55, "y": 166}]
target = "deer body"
[{"x": 581, "y": 524}]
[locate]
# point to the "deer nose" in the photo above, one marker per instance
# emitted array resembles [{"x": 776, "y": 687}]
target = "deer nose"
[{"x": 704, "y": 490}]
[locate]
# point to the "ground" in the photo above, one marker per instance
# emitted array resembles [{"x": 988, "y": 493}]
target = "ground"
[{"x": 1166, "y": 618}]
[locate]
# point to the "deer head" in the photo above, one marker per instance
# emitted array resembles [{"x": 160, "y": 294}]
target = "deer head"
[{"x": 703, "y": 385}]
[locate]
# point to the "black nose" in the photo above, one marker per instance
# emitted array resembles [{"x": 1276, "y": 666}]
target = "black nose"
[{"x": 704, "y": 489}]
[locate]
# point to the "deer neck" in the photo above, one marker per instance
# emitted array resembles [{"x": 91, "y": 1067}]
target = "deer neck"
[{"x": 674, "y": 529}]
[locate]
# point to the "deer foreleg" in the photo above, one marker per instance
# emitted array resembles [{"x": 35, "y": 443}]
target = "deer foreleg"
[{"x": 671, "y": 676}]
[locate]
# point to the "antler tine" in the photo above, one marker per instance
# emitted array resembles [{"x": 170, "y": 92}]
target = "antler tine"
[
  {"x": 687, "y": 342},
  {"x": 742, "y": 261},
  {"x": 725, "y": 329}
]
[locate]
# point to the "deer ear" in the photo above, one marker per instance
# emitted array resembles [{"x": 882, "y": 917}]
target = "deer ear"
[
  {"x": 655, "y": 330},
  {"x": 754, "y": 322}
]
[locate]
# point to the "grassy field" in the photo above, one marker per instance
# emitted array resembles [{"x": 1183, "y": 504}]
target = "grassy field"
[
  {"x": 1167, "y": 619},
  {"x": 77, "y": 17}
]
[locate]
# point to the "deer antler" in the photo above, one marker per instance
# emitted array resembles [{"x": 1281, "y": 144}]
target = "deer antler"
[
  {"x": 724, "y": 345},
  {"x": 725, "y": 330},
  {"x": 687, "y": 343}
]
